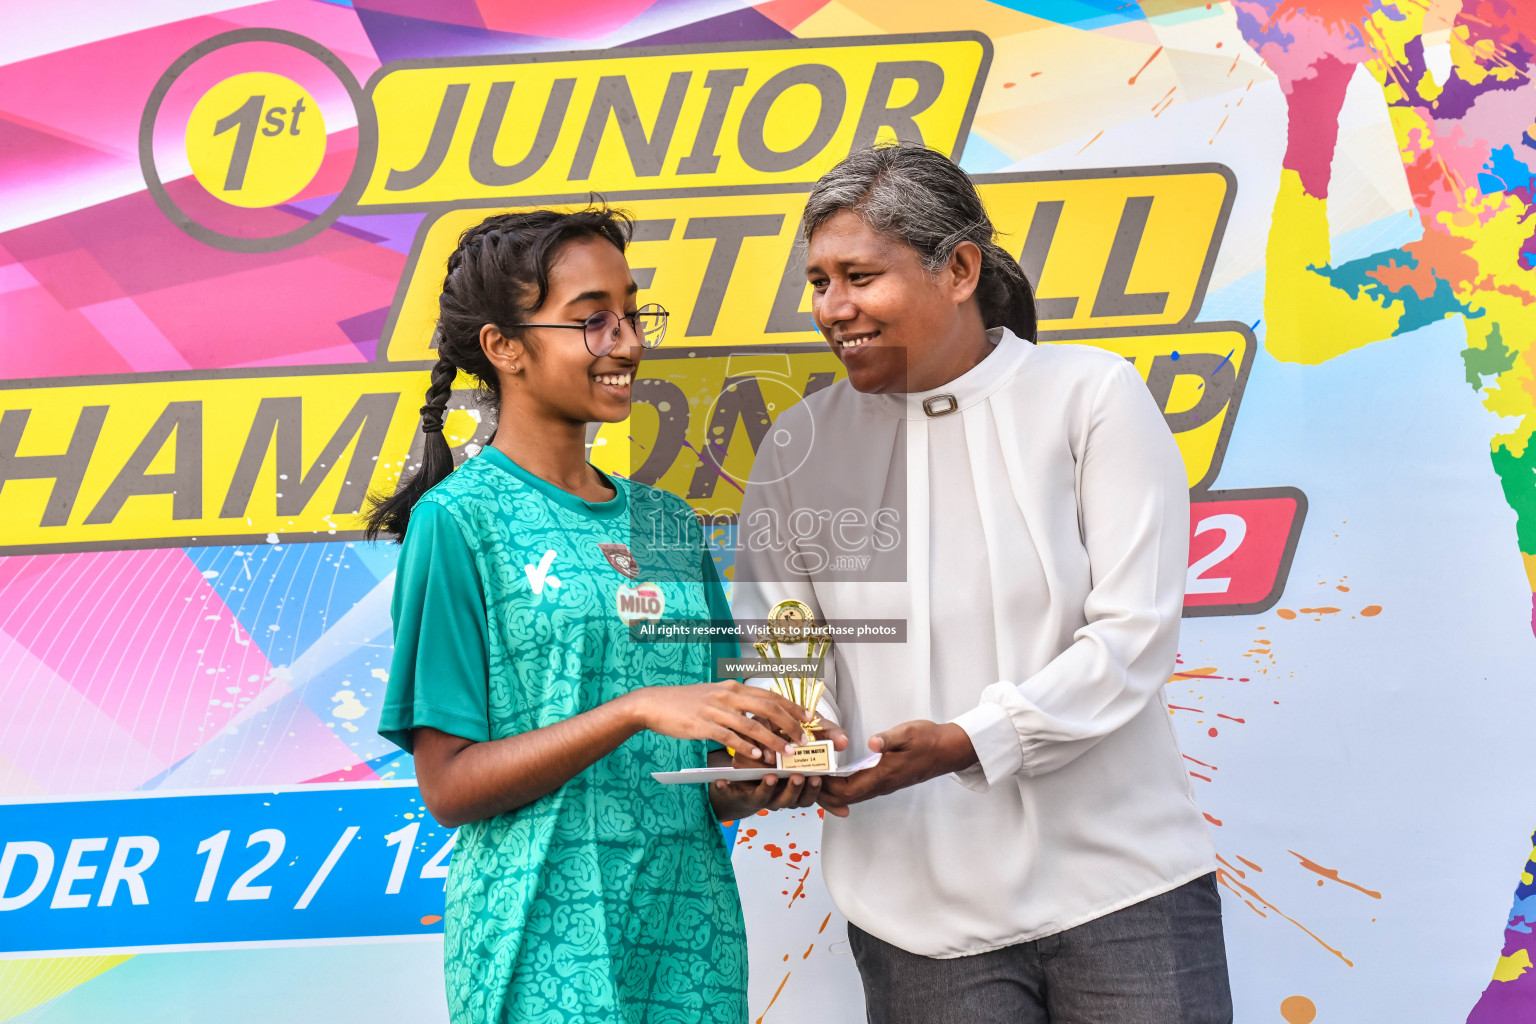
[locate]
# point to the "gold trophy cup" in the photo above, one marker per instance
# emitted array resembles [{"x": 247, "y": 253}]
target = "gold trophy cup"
[{"x": 791, "y": 623}]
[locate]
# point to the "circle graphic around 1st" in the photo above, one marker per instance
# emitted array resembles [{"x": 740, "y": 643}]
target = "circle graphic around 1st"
[{"x": 256, "y": 139}]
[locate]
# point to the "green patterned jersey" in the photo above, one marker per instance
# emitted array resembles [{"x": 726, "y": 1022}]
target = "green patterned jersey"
[{"x": 611, "y": 899}]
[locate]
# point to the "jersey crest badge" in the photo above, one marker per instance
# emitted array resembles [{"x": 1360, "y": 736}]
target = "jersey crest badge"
[{"x": 620, "y": 557}]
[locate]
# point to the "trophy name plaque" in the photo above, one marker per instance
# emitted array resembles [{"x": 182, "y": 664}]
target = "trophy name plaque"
[{"x": 791, "y": 623}]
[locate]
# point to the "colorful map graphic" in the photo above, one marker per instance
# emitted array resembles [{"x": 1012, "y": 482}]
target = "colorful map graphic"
[{"x": 1456, "y": 79}]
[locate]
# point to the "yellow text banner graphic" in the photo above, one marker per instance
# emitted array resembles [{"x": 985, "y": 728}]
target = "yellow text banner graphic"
[
  {"x": 1197, "y": 377},
  {"x": 198, "y": 459},
  {"x": 734, "y": 116},
  {"x": 1114, "y": 250},
  {"x": 698, "y": 422},
  {"x": 250, "y": 456}
]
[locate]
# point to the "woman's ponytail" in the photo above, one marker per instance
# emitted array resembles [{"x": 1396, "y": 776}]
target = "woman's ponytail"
[{"x": 1006, "y": 298}]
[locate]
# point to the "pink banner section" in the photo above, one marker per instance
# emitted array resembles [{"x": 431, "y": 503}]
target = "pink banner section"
[
  {"x": 127, "y": 654},
  {"x": 1240, "y": 548}
]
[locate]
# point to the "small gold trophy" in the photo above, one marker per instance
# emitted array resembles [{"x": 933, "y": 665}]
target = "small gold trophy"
[{"x": 791, "y": 622}]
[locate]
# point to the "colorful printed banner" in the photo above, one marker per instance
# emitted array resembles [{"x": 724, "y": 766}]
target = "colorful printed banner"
[
  {"x": 198, "y": 871},
  {"x": 766, "y": 114},
  {"x": 1240, "y": 548},
  {"x": 1306, "y": 223}
]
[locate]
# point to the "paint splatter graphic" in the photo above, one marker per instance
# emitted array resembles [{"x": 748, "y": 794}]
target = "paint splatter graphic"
[
  {"x": 1298, "y": 1010},
  {"x": 782, "y": 840},
  {"x": 1456, "y": 80},
  {"x": 1205, "y": 694},
  {"x": 1457, "y": 86},
  {"x": 1513, "y": 989}
]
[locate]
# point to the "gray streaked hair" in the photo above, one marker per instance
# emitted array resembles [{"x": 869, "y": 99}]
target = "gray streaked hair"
[{"x": 920, "y": 198}]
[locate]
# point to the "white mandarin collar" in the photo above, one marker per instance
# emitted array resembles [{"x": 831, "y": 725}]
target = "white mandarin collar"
[{"x": 970, "y": 388}]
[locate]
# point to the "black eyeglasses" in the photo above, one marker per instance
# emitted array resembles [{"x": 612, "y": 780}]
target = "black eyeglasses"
[{"x": 601, "y": 329}]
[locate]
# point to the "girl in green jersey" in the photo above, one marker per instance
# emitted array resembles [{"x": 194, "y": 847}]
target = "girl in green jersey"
[{"x": 580, "y": 889}]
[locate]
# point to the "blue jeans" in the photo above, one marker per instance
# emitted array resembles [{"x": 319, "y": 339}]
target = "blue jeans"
[{"x": 1160, "y": 961}]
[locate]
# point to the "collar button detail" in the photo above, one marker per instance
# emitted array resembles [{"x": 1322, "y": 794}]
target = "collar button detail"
[{"x": 940, "y": 405}]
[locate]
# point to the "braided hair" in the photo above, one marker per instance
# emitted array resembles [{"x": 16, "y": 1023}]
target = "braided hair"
[{"x": 498, "y": 274}]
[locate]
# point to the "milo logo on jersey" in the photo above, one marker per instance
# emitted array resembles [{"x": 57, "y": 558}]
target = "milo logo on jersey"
[{"x": 642, "y": 603}]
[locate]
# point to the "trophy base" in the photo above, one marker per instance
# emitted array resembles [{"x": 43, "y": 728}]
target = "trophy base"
[{"x": 808, "y": 757}]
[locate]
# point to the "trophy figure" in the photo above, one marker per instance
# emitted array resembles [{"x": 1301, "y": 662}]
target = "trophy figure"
[{"x": 791, "y": 623}]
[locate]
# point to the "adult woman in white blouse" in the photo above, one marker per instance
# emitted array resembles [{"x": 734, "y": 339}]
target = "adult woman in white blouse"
[{"x": 1025, "y": 511}]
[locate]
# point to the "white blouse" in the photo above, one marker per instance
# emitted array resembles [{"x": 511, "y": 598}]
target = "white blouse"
[{"x": 1034, "y": 540}]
